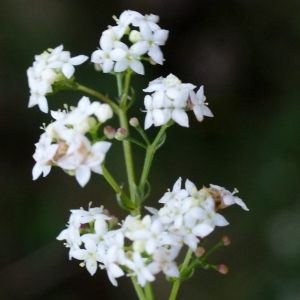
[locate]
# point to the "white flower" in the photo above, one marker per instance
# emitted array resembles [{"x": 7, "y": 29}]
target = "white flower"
[
  {"x": 38, "y": 90},
  {"x": 199, "y": 105},
  {"x": 128, "y": 57},
  {"x": 43, "y": 156},
  {"x": 164, "y": 261},
  {"x": 177, "y": 192},
  {"x": 155, "y": 39},
  {"x": 227, "y": 198},
  {"x": 169, "y": 100},
  {"x": 81, "y": 157},
  {"x": 89, "y": 255},
  {"x": 48, "y": 68},
  {"x": 140, "y": 269},
  {"x": 111, "y": 261}
]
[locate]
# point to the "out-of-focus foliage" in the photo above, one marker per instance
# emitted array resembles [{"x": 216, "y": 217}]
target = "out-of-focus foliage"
[{"x": 247, "y": 55}]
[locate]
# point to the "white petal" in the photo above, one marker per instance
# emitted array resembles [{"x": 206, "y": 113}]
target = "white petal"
[
  {"x": 137, "y": 67},
  {"x": 121, "y": 65},
  {"x": 68, "y": 70},
  {"x": 78, "y": 60},
  {"x": 43, "y": 104},
  {"x": 202, "y": 230},
  {"x": 83, "y": 174},
  {"x": 37, "y": 171},
  {"x": 219, "y": 220},
  {"x": 156, "y": 54},
  {"x": 180, "y": 117},
  {"x": 148, "y": 120}
]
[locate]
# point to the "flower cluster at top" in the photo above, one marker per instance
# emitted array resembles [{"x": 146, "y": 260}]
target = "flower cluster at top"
[
  {"x": 187, "y": 216},
  {"x": 64, "y": 143},
  {"x": 170, "y": 99},
  {"x": 49, "y": 67},
  {"x": 117, "y": 56}
]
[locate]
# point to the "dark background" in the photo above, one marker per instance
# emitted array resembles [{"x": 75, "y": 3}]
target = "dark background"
[{"x": 247, "y": 55}]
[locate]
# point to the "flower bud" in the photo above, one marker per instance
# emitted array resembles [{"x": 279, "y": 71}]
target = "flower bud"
[
  {"x": 49, "y": 75},
  {"x": 135, "y": 36},
  {"x": 97, "y": 67},
  {"x": 121, "y": 134},
  {"x": 226, "y": 240},
  {"x": 223, "y": 269},
  {"x": 199, "y": 251},
  {"x": 103, "y": 112},
  {"x": 139, "y": 246},
  {"x": 134, "y": 122},
  {"x": 109, "y": 132}
]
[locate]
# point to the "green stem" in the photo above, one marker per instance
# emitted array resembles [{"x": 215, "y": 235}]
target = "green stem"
[
  {"x": 177, "y": 283},
  {"x": 149, "y": 157},
  {"x": 119, "y": 77},
  {"x": 132, "y": 140},
  {"x": 116, "y": 187},
  {"x": 213, "y": 249},
  {"x": 138, "y": 288},
  {"x": 96, "y": 94},
  {"x": 126, "y": 144},
  {"x": 149, "y": 291}
]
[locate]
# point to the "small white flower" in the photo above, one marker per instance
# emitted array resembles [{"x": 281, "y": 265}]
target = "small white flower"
[
  {"x": 199, "y": 105},
  {"x": 43, "y": 156},
  {"x": 89, "y": 255}
]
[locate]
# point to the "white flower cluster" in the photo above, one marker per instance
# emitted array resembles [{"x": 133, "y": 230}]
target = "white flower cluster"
[
  {"x": 170, "y": 99},
  {"x": 187, "y": 215},
  {"x": 49, "y": 67},
  {"x": 116, "y": 55},
  {"x": 64, "y": 142}
]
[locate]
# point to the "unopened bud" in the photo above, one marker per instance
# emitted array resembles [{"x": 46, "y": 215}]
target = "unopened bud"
[
  {"x": 134, "y": 122},
  {"x": 103, "y": 112},
  {"x": 226, "y": 240},
  {"x": 135, "y": 36},
  {"x": 152, "y": 62},
  {"x": 223, "y": 269},
  {"x": 109, "y": 132},
  {"x": 199, "y": 251},
  {"x": 97, "y": 67},
  {"x": 113, "y": 220},
  {"x": 49, "y": 75},
  {"x": 121, "y": 134}
]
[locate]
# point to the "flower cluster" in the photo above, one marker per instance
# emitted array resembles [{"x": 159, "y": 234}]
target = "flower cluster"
[
  {"x": 116, "y": 55},
  {"x": 49, "y": 67},
  {"x": 64, "y": 143},
  {"x": 170, "y": 99},
  {"x": 187, "y": 216}
]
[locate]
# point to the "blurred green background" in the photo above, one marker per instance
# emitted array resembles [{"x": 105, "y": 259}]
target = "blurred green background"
[{"x": 247, "y": 55}]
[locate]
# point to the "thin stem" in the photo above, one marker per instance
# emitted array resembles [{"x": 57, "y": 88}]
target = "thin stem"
[
  {"x": 119, "y": 77},
  {"x": 96, "y": 94},
  {"x": 140, "y": 130},
  {"x": 130, "y": 139},
  {"x": 213, "y": 249},
  {"x": 116, "y": 187},
  {"x": 177, "y": 283},
  {"x": 149, "y": 291},
  {"x": 149, "y": 157},
  {"x": 138, "y": 288},
  {"x": 123, "y": 102}
]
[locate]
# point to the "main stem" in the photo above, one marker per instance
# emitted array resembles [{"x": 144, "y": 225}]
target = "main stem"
[{"x": 122, "y": 113}]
